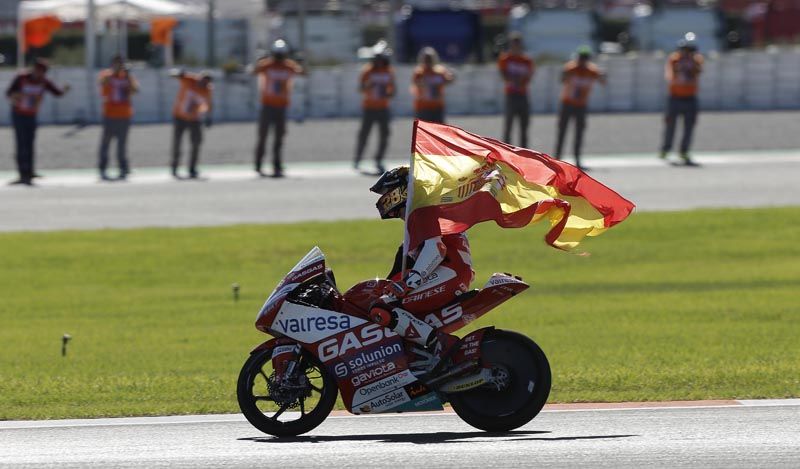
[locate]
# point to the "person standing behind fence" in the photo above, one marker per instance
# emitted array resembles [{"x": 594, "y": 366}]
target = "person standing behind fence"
[
  {"x": 117, "y": 85},
  {"x": 378, "y": 87},
  {"x": 517, "y": 70},
  {"x": 427, "y": 86},
  {"x": 275, "y": 84},
  {"x": 26, "y": 93},
  {"x": 682, "y": 73},
  {"x": 192, "y": 108},
  {"x": 577, "y": 79}
]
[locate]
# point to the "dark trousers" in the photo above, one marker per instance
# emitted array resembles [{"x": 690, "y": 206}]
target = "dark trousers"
[
  {"x": 517, "y": 107},
  {"x": 114, "y": 129},
  {"x": 686, "y": 107},
  {"x": 274, "y": 117},
  {"x": 567, "y": 113},
  {"x": 195, "y": 139},
  {"x": 430, "y": 115},
  {"x": 25, "y": 133},
  {"x": 370, "y": 117}
]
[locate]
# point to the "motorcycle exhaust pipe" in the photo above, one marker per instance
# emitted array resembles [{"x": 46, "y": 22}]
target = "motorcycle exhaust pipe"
[
  {"x": 461, "y": 368},
  {"x": 467, "y": 382}
]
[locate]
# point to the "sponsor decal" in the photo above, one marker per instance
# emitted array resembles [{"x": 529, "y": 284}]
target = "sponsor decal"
[
  {"x": 284, "y": 349},
  {"x": 306, "y": 272},
  {"x": 354, "y": 340},
  {"x": 426, "y": 402},
  {"x": 423, "y": 294},
  {"x": 373, "y": 373},
  {"x": 340, "y": 370},
  {"x": 314, "y": 323},
  {"x": 384, "y": 386},
  {"x": 308, "y": 324},
  {"x": 382, "y": 403},
  {"x": 445, "y": 316},
  {"x": 366, "y": 358},
  {"x": 499, "y": 279},
  {"x": 468, "y": 385},
  {"x": 416, "y": 390}
]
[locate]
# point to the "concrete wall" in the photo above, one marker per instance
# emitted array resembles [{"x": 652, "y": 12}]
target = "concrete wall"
[{"x": 738, "y": 81}]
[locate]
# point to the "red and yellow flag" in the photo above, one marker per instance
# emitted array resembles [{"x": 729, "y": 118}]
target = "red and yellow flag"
[{"x": 460, "y": 179}]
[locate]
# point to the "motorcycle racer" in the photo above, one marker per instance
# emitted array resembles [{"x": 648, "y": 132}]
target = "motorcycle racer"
[{"x": 441, "y": 270}]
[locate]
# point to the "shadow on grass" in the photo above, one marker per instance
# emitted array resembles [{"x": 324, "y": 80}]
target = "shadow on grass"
[{"x": 434, "y": 437}]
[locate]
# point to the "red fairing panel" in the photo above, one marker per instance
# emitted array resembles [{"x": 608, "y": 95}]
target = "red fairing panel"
[
  {"x": 499, "y": 288},
  {"x": 360, "y": 297}
]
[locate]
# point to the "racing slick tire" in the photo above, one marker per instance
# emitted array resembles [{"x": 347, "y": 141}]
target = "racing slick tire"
[{"x": 500, "y": 410}]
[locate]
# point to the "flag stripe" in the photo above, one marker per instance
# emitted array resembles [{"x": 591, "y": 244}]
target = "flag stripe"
[
  {"x": 567, "y": 180},
  {"x": 460, "y": 179}
]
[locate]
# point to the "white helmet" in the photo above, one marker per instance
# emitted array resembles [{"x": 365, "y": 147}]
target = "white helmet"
[{"x": 279, "y": 47}]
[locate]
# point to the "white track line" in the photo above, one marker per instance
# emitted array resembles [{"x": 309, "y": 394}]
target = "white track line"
[
  {"x": 337, "y": 170},
  {"x": 238, "y": 418}
]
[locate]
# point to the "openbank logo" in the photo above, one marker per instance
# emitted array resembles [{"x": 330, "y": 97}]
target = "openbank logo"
[{"x": 386, "y": 385}]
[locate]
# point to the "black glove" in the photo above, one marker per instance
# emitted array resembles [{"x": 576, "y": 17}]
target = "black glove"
[{"x": 209, "y": 123}]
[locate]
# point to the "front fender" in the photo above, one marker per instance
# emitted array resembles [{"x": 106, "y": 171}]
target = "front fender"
[{"x": 272, "y": 343}]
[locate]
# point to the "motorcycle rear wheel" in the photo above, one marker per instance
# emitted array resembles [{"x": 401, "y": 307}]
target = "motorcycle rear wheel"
[
  {"x": 493, "y": 410},
  {"x": 261, "y": 410}
]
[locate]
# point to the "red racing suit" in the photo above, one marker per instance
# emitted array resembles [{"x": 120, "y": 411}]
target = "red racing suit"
[{"x": 445, "y": 266}]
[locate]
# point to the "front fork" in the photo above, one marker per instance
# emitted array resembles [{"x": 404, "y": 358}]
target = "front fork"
[{"x": 285, "y": 359}]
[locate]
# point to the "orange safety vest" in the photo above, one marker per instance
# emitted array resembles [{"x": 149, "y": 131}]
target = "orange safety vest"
[
  {"x": 428, "y": 88},
  {"x": 517, "y": 71},
  {"x": 116, "y": 90},
  {"x": 683, "y": 74},
  {"x": 377, "y": 85},
  {"x": 193, "y": 101},
  {"x": 578, "y": 81},
  {"x": 275, "y": 81}
]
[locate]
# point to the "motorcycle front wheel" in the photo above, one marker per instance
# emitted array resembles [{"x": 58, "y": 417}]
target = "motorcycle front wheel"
[
  {"x": 279, "y": 411},
  {"x": 520, "y": 394}
]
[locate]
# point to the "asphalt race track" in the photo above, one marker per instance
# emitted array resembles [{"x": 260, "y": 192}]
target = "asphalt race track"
[
  {"x": 73, "y": 199},
  {"x": 758, "y": 434}
]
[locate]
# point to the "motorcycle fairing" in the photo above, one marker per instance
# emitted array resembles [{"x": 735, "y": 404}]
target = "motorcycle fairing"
[
  {"x": 310, "y": 265},
  {"x": 498, "y": 289},
  {"x": 272, "y": 343},
  {"x": 309, "y": 324}
]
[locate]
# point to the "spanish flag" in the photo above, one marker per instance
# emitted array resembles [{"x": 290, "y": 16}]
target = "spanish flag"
[{"x": 460, "y": 179}]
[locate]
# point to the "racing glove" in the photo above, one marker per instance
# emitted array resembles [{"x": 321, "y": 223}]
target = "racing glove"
[{"x": 400, "y": 289}]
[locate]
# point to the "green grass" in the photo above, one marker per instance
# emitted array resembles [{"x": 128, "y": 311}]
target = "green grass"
[{"x": 685, "y": 305}]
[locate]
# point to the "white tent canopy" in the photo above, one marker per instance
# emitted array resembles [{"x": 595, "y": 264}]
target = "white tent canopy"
[
  {"x": 91, "y": 11},
  {"x": 78, "y": 10}
]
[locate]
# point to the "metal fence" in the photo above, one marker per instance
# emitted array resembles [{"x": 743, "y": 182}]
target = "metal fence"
[{"x": 735, "y": 81}]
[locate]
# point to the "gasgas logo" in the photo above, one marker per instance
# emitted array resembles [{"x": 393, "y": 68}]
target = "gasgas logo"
[
  {"x": 307, "y": 271},
  {"x": 353, "y": 340}
]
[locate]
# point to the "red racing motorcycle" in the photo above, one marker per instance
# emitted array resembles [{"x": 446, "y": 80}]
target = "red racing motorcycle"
[{"x": 324, "y": 344}]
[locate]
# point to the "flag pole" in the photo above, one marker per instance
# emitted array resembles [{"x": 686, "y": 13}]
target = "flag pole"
[{"x": 409, "y": 197}]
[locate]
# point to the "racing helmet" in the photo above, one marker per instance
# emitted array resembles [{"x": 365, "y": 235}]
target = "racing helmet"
[
  {"x": 279, "y": 48},
  {"x": 688, "y": 41},
  {"x": 393, "y": 189}
]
